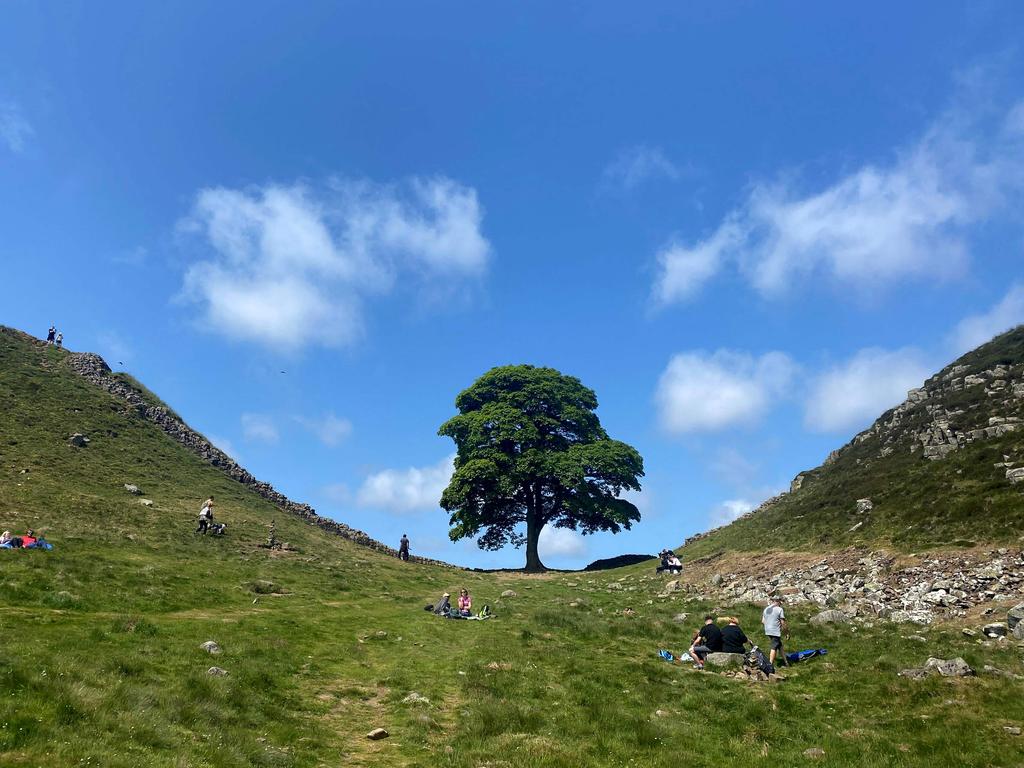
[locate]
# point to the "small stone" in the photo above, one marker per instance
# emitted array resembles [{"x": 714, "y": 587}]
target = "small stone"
[
  {"x": 661, "y": 713},
  {"x": 830, "y": 617},
  {"x": 814, "y": 753},
  {"x": 377, "y": 734},
  {"x": 509, "y": 593},
  {"x": 210, "y": 647},
  {"x": 864, "y": 505},
  {"x": 680, "y": 618},
  {"x": 996, "y": 629},
  {"x": 415, "y": 698},
  {"x": 146, "y": 502},
  {"x": 949, "y": 667},
  {"x": 1013, "y": 730},
  {"x": 132, "y": 489},
  {"x": 968, "y": 632},
  {"x": 78, "y": 440},
  {"x": 381, "y": 634},
  {"x": 216, "y": 672}
]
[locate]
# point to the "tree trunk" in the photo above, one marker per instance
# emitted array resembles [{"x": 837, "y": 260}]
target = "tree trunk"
[{"x": 533, "y": 528}]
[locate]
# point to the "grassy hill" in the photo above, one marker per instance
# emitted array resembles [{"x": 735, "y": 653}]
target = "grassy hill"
[
  {"x": 960, "y": 498},
  {"x": 100, "y": 662}
]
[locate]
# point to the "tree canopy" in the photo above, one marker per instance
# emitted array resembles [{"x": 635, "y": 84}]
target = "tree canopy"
[{"x": 531, "y": 450}]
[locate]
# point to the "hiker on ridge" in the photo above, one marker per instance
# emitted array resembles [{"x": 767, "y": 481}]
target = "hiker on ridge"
[
  {"x": 707, "y": 639},
  {"x": 774, "y": 620},
  {"x": 60, "y": 341},
  {"x": 403, "y": 547},
  {"x": 50, "y": 334}
]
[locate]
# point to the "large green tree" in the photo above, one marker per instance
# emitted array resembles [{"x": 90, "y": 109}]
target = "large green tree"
[{"x": 532, "y": 451}]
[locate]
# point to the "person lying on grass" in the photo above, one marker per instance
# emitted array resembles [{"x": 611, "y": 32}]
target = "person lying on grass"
[
  {"x": 707, "y": 639},
  {"x": 465, "y": 602}
]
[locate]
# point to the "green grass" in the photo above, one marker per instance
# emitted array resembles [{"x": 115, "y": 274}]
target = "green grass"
[{"x": 100, "y": 662}]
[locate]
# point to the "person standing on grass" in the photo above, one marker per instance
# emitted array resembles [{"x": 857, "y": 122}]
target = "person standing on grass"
[
  {"x": 403, "y": 547},
  {"x": 707, "y": 639},
  {"x": 50, "y": 334},
  {"x": 205, "y": 516},
  {"x": 60, "y": 341},
  {"x": 774, "y": 620}
]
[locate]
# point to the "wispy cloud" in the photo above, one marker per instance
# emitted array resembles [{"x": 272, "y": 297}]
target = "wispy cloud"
[
  {"x": 977, "y": 329},
  {"x": 289, "y": 266},
  {"x": 727, "y": 511},
  {"x": 700, "y": 392},
  {"x": 908, "y": 218},
  {"x": 638, "y": 164},
  {"x": 15, "y": 129},
  {"x": 855, "y": 392},
  {"x": 259, "y": 428},
  {"x": 329, "y": 428},
  {"x": 407, "y": 490}
]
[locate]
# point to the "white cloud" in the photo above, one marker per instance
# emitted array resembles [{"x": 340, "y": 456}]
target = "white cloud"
[
  {"x": 856, "y": 392},
  {"x": 259, "y": 428},
  {"x": 977, "y": 329},
  {"x": 635, "y": 165},
  {"x": 15, "y": 130},
  {"x": 729, "y": 510},
  {"x": 407, "y": 490},
  {"x": 339, "y": 493},
  {"x": 700, "y": 392},
  {"x": 560, "y": 542},
  {"x": 877, "y": 225},
  {"x": 329, "y": 429},
  {"x": 289, "y": 266}
]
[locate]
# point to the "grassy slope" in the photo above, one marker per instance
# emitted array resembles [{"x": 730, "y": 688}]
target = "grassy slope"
[
  {"x": 960, "y": 500},
  {"x": 99, "y": 658}
]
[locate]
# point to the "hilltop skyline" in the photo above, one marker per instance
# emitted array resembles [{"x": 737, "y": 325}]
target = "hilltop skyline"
[{"x": 750, "y": 233}]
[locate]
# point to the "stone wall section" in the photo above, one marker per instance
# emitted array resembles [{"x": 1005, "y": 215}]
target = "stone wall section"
[{"x": 95, "y": 370}]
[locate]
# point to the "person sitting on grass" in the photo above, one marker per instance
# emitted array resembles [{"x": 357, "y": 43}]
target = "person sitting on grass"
[
  {"x": 707, "y": 639},
  {"x": 29, "y": 538},
  {"x": 5, "y": 540},
  {"x": 733, "y": 639},
  {"x": 675, "y": 565},
  {"x": 465, "y": 602}
]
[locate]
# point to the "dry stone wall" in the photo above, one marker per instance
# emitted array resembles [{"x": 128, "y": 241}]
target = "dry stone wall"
[{"x": 94, "y": 369}]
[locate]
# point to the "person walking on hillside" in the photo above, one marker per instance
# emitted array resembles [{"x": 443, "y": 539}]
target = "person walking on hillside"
[
  {"x": 403, "y": 547},
  {"x": 774, "y": 620},
  {"x": 60, "y": 341},
  {"x": 205, "y": 516},
  {"x": 50, "y": 335}
]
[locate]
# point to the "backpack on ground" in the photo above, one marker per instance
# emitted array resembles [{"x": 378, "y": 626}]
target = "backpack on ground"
[{"x": 757, "y": 660}]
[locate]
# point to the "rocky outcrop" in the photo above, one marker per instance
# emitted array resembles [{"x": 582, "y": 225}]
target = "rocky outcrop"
[{"x": 93, "y": 369}]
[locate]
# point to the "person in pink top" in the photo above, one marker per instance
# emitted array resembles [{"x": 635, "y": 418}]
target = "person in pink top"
[{"x": 465, "y": 602}]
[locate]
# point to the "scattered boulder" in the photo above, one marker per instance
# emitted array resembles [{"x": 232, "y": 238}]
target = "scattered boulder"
[
  {"x": 968, "y": 632},
  {"x": 830, "y": 617},
  {"x": 1015, "y": 616},
  {"x": 415, "y": 698},
  {"x": 717, "y": 579},
  {"x": 949, "y": 667},
  {"x": 1018, "y": 631},
  {"x": 216, "y": 672},
  {"x": 719, "y": 659},
  {"x": 996, "y": 629},
  {"x": 78, "y": 440},
  {"x": 211, "y": 646},
  {"x": 615, "y": 586},
  {"x": 864, "y": 506},
  {"x": 1013, "y": 730},
  {"x": 814, "y": 753},
  {"x": 673, "y": 586},
  {"x": 916, "y": 673},
  {"x": 509, "y": 593},
  {"x": 1015, "y": 475},
  {"x": 132, "y": 489},
  {"x": 377, "y": 734},
  {"x": 146, "y": 502},
  {"x": 680, "y": 618}
]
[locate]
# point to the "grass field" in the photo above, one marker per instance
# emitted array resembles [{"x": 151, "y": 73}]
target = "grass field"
[{"x": 100, "y": 662}]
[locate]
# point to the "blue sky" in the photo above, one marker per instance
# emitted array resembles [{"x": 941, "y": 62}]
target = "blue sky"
[{"x": 749, "y": 228}]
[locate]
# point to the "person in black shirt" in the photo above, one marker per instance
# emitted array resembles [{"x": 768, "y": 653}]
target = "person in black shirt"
[
  {"x": 733, "y": 639},
  {"x": 707, "y": 639}
]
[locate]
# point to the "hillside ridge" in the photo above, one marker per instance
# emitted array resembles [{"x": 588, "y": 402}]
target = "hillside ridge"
[{"x": 94, "y": 369}]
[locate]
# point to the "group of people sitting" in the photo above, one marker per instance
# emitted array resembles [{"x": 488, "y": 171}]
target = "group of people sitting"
[
  {"x": 462, "y": 610},
  {"x": 28, "y": 541},
  {"x": 669, "y": 562},
  {"x": 731, "y": 638}
]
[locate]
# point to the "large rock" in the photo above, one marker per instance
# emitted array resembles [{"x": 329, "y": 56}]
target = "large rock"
[
  {"x": 718, "y": 659},
  {"x": 997, "y": 629},
  {"x": 210, "y": 646},
  {"x": 830, "y": 617},
  {"x": 509, "y": 593},
  {"x": 864, "y": 505},
  {"x": 377, "y": 734},
  {"x": 1018, "y": 631},
  {"x": 949, "y": 667},
  {"x": 1015, "y": 616},
  {"x": 1015, "y": 475}
]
